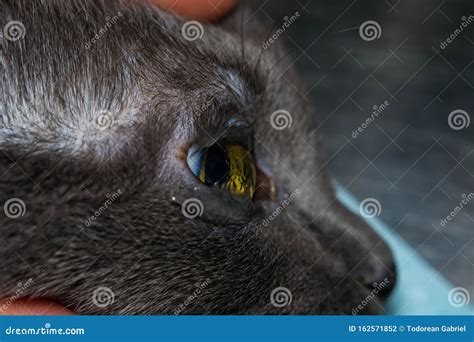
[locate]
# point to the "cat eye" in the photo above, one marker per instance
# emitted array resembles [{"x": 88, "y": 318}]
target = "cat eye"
[{"x": 227, "y": 166}]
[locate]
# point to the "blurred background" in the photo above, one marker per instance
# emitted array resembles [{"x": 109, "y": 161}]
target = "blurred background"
[{"x": 413, "y": 157}]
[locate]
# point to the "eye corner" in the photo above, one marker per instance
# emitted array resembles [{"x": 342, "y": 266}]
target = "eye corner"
[{"x": 267, "y": 190}]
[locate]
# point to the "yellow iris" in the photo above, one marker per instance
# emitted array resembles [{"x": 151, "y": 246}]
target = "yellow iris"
[
  {"x": 242, "y": 174},
  {"x": 230, "y": 167}
]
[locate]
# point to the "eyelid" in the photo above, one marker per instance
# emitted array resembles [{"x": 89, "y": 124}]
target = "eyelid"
[
  {"x": 233, "y": 131},
  {"x": 216, "y": 113},
  {"x": 238, "y": 131},
  {"x": 238, "y": 123}
]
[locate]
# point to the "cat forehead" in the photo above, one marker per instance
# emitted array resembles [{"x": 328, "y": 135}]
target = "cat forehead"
[
  {"x": 96, "y": 116},
  {"x": 84, "y": 120},
  {"x": 76, "y": 95}
]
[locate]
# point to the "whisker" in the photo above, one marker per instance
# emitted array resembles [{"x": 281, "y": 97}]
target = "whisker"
[
  {"x": 289, "y": 53},
  {"x": 261, "y": 48},
  {"x": 242, "y": 31}
]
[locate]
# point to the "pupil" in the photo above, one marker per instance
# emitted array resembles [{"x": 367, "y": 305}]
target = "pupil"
[{"x": 216, "y": 165}]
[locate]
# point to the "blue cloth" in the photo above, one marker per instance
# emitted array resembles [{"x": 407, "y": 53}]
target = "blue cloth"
[{"x": 420, "y": 290}]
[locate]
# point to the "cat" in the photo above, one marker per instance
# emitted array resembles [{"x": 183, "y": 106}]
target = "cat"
[{"x": 102, "y": 103}]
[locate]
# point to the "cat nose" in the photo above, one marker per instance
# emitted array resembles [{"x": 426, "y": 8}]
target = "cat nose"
[
  {"x": 377, "y": 270},
  {"x": 382, "y": 280}
]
